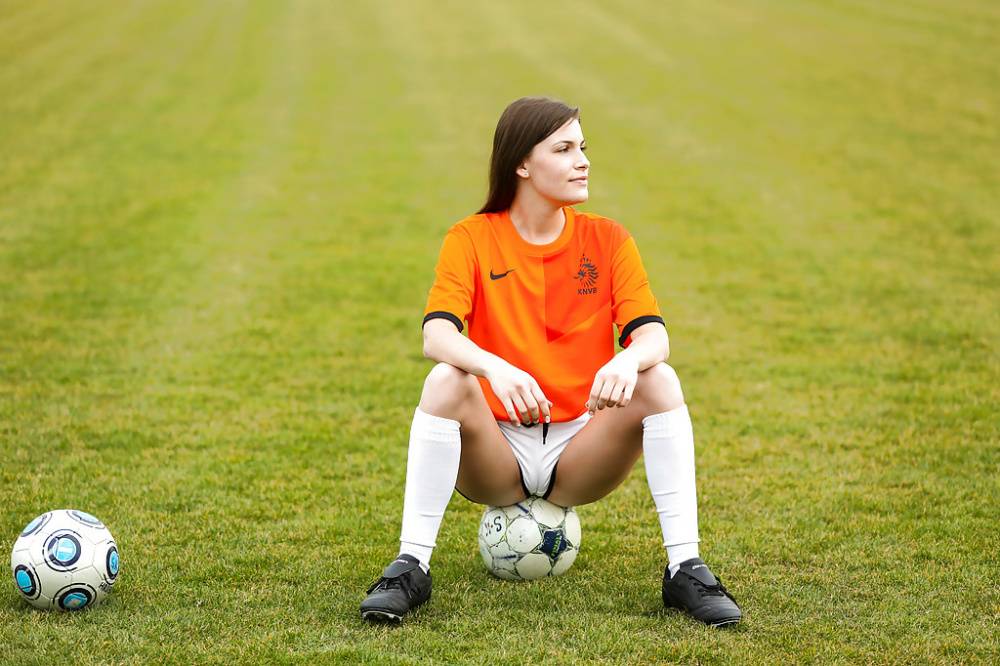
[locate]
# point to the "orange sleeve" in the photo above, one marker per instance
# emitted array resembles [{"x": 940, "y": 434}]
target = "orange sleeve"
[
  {"x": 632, "y": 301},
  {"x": 454, "y": 279}
]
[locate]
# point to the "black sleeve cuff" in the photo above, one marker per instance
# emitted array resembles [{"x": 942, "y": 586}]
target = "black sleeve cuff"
[
  {"x": 441, "y": 314},
  {"x": 634, "y": 324}
]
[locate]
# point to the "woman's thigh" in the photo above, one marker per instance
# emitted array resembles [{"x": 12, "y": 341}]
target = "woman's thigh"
[
  {"x": 488, "y": 472},
  {"x": 603, "y": 453},
  {"x": 599, "y": 457}
]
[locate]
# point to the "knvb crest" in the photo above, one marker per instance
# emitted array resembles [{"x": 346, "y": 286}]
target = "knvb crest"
[{"x": 587, "y": 275}]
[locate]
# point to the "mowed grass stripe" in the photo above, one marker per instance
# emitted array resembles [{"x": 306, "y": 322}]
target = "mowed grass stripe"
[
  {"x": 811, "y": 152},
  {"x": 48, "y": 102},
  {"x": 114, "y": 231},
  {"x": 55, "y": 37},
  {"x": 133, "y": 482},
  {"x": 94, "y": 426},
  {"x": 170, "y": 152},
  {"x": 930, "y": 23},
  {"x": 194, "y": 239},
  {"x": 107, "y": 125},
  {"x": 950, "y": 99},
  {"x": 97, "y": 267},
  {"x": 14, "y": 12},
  {"x": 31, "y": 26},
  {"x": 244, "y": 232}
]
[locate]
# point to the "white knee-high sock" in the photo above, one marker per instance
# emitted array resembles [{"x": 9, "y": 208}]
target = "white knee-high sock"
[
  {"x": 668, "y": 451},
  {"x": 431, "y": 472}
]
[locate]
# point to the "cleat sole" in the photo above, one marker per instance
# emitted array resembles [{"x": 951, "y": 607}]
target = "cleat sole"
[{"x": 383, "y": 617}]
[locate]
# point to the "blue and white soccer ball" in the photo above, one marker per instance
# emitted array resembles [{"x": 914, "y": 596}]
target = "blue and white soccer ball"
[
  {"x": 65, "y": 560},
  {"x": 528, "y": 540}
]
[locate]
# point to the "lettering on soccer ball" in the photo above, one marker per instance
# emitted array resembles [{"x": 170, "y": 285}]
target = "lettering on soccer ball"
[{"x": 553, "y": 543}]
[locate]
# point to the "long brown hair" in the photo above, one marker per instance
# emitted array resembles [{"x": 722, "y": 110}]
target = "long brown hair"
[{"x": 522, "y": 124}]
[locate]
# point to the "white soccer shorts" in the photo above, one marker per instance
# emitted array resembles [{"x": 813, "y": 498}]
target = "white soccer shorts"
[{"x": 537, "y": 449}]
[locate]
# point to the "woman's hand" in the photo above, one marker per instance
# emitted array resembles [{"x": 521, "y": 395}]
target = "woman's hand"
[
  {"x": 614, "y": 383},
  {"x": 519, "y": 392}
]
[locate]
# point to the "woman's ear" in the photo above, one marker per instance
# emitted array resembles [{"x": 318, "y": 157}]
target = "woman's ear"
[{"x": 522, "y": 171}]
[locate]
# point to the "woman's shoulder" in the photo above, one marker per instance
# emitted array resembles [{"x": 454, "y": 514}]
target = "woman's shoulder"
[
  {"x": 472, "y": 224},
  {"x": 601, "y": 224}
]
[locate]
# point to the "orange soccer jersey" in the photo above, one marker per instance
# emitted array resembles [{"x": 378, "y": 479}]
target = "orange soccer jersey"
[{"x": 546, "y": 309}]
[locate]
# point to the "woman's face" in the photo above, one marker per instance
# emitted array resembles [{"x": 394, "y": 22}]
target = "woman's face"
[{"x": 557, "y": 167}]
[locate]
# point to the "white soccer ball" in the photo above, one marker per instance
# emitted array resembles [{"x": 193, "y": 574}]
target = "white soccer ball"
[
  {"x": 528, "y": 540},
  {"x": 65, "y": 560}
]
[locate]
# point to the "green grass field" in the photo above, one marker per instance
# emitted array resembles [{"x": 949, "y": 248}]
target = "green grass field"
[{"x": 218, "y": 226}]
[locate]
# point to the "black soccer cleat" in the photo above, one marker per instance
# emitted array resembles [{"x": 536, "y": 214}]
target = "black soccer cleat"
[
  {"x": 695, "y": 590},
  {"x": 402, "y": 587}
]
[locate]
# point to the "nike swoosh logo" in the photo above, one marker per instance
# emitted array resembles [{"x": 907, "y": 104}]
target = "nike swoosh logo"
[{"x": 495, "y": 276}]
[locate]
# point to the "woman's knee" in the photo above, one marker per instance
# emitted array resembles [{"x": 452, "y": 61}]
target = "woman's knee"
[
  {"x": 659, "y": 388},
  {"x": 445, "y": 389}
]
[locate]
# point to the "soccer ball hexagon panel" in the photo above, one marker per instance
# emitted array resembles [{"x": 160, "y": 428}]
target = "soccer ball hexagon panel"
[
  {"x": 66, "y": 560},
  {"x": 529, "y": 540}
]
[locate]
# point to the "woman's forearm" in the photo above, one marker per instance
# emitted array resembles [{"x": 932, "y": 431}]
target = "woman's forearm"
[
  {"x": 444, "y": 344},
  {"x": 650, "y": 345}
]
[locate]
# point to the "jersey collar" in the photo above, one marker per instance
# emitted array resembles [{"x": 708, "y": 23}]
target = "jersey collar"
[{"x": 510, "y": 231}]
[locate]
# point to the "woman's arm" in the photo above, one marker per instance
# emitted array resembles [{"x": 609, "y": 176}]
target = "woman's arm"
[
  {"x": 444, "y": 344},
  {"x": 515, "y": 388},
  {"x": 615, "y": 382},
  {"x": 650, "y": 345}
]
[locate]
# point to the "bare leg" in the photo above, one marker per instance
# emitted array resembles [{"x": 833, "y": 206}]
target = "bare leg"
[
  {"x": 488, "y": 472},
  {"x": 603, "y": 453}
]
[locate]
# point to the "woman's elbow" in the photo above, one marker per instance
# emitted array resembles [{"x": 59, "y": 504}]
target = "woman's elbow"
[{"x": 431, "y": 335}]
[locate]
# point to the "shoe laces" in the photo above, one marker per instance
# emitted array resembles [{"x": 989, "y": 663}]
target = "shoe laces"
[
  {"x": 401, "y": 582},
  {"x": 718, "y": 590}
]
